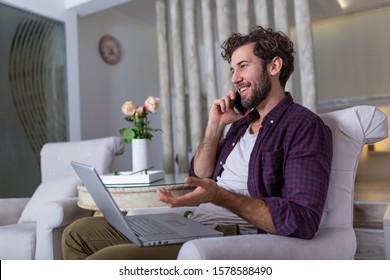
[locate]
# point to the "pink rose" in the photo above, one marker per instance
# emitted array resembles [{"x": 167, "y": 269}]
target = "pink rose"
[
  {"x": 140, "y": 110},
  {"x": 151, "y": 104},
  {"x": 128, "y": 108}
]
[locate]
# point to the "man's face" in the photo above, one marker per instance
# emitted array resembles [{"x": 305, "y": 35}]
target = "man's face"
[{"x": 249, "y": 77}]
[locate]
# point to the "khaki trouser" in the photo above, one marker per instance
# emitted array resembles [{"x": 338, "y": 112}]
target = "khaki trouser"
[{"x": 94, "y": 239}]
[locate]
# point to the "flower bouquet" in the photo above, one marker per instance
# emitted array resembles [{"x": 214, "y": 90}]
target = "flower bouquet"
[{"x": 138, "y": 115}]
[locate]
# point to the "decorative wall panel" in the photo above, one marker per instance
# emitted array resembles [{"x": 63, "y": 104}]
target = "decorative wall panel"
[
  {"x": 36, "y": 75},
  {"x": 32, "y": 96}
]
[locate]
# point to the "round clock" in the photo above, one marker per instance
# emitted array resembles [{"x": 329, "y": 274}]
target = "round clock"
[{"x": 110, "y": 49}]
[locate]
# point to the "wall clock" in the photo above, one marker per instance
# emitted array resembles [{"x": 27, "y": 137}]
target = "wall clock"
[{"x": 110, "y": 49}]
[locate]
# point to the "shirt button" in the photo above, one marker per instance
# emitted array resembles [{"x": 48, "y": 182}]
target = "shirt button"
[
  {"x": 221, "y": 163},
  {"x": 233, "y": 144},
  {"x": 271, "y": 121}
]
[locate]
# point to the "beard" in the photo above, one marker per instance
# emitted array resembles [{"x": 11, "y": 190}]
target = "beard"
[{"x": 260, "y": 90}]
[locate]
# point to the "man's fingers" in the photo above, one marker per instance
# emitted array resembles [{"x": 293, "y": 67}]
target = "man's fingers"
[
  {"x": 165, "y": 196},
  {"x": 199, "y": 195},
  {"x": 189, "y": 199}
]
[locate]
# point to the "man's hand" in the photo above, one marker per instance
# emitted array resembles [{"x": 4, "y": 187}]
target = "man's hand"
[
  {"x": 221, "y": 111},
  {"x": 204, "y": 192},
  {"x": 253, "y": 210}
]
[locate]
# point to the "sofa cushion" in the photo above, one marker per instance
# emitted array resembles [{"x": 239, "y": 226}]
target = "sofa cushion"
[
  {"x": 51, "y": 190},
  {"x": 23, "y": 238}
]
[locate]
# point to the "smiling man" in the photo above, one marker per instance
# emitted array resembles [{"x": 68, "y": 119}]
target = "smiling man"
[
  {"x": 271, "y": 171},
  {"x": 269, "y": 174}
]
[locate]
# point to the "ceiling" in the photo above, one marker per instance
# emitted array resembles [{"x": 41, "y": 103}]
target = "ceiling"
[
  {"x": 330, "y": 8},
  {"x": 320, "y": 9}
]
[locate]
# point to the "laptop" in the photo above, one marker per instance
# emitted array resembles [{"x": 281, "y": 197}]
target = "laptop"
[{"x": 142, "y": 230}]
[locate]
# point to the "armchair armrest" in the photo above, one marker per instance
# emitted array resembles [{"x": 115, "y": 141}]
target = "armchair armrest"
[
  {"x": 336, "y": 243},
  {"x": 60, "y": 213},
  {"x": 11, "y": 209},
  {"x": 52, "y": 219},
  {"x": 386, "y": 227}
]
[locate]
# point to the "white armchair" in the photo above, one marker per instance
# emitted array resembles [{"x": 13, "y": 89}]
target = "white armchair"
[
  {"x": 351, "y": 129},
  {"x": 31, "y": 228}
]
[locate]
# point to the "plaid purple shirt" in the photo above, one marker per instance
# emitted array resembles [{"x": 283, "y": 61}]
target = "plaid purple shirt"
[{"x": 289, "y": 166}]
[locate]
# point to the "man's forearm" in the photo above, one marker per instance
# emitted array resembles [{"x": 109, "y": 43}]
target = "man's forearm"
[
  {"x": 206, "y": 154},
  {"x": 254, "y": 211}
]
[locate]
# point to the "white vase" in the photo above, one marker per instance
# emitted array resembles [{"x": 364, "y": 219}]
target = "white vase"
[{"x": 141, "y": 154}]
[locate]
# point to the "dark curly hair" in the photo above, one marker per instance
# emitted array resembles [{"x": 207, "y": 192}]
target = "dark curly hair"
[{"x": 269, "y": 44}]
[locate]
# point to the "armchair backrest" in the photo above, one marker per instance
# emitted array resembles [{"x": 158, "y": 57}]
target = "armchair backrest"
[
  {"x": 351, "y": 129},
  {"x": 56, "y": 157}
]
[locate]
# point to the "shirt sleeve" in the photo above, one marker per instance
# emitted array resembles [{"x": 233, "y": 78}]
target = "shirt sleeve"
[
  {"x": 297, "y": 210},
  {"x": 191, "y": 171}
]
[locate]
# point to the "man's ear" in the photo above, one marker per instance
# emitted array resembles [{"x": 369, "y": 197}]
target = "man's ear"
[{"x": 275, "y": 66}]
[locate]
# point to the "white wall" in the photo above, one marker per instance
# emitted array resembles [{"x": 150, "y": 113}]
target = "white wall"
[
  {"x": 104, "y": 88},
  {"x": 352, "y": 55}
]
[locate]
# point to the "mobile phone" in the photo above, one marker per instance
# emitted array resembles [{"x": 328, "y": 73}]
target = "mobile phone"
[{"x": 237, "y": 106}]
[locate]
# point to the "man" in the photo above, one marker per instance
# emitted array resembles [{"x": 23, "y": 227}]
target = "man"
[{"x": 269, "y": 174}]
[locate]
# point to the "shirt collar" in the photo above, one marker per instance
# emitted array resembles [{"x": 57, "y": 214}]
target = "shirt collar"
[{"x": 274, "y": 115}]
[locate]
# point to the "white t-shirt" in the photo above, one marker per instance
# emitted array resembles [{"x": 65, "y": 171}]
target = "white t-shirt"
[{"x": 234, "y": 177}]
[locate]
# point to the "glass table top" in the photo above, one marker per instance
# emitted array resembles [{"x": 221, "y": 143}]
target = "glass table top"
[{"x": 169, "y": 180}]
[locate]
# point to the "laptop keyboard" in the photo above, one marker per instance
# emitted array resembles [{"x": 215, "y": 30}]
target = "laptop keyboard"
[{"x": 144, "y": 226}]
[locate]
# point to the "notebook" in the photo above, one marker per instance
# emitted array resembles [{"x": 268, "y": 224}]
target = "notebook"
[{"x": 140, "y": 229}]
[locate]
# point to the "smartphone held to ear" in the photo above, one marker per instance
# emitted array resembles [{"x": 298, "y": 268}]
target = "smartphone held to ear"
[{"x": 237, "y": 106}]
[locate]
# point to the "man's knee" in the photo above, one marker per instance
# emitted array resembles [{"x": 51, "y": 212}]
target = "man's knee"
[
  {"x": 76, "y": 225},
  {"x": 83, "y": 226},
  {"x": 76, "y": 234}
]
